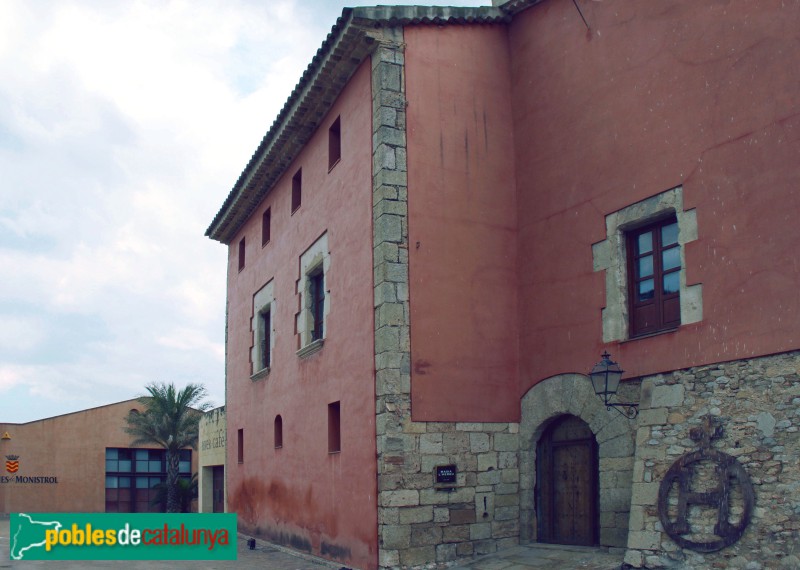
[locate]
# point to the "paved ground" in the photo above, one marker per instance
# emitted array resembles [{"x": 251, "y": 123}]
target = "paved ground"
[
  {"x": 545, "y": 556},
  {"x": 268, "y": 556}
]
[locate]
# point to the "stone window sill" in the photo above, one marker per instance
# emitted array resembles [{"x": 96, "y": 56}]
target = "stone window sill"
[
  {"x": 311, "y": 348},
  {"x": 263, "y": 373},
  {"x": 649, "y": 335}
]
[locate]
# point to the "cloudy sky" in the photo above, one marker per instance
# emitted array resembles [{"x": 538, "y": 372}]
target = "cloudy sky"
[{"x": 123, "y": 126}]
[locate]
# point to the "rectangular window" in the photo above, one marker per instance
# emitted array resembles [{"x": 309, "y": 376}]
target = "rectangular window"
[
  {"x": 316, "y": 283},
  {"x": 334, "y": 144},
  {"x": 297, "y": 190},
  {"x": 334, "y": 428},
  {"x": 241, "y": 254},
  {"x": 266, "y": 329},
  {"x": 260, "y": 354},
  {"x": 133, "y": 477},
  {"x": 654, "y": 266},
  {"x": 240, "y": 446},
  {"x": 278, "y": 432},
  {"x": 265, "y": 227}
]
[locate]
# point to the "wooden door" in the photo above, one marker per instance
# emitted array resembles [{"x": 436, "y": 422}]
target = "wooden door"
[
  {"x": 218, "y": 489},
  {"x": 567, "y": 482}
]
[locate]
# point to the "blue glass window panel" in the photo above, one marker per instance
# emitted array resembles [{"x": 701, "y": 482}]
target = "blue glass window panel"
[
  {"x": 111, "y": 482},
  {"x": 154, "y": 481},
  {"x": 141, "y": 482},
  {"x": 111, "y": 453},
  {"x": 646, "y": 289},
  {"x": 124, "y": 482},
  {"x": 111, "y": 465},
  {"x": 141, "y": 466},
  {"x": 185, "y": 467},
  {"x": 142, "y": 454},
  {"x": 646, "y": 266},
  {"x": 671, "y": 283},
  {"x": 671, "y": 258},
  {"x": 669, "y": 234},
  {"x": 645, "y": 242}
]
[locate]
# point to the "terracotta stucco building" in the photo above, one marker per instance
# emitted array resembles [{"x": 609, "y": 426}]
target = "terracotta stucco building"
[{"x": 455, "y": 213}]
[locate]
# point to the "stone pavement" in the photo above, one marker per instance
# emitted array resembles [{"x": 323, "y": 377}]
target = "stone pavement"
[
  {"x": 269, "y": 556},
  {"x": 545, "y": 556}
]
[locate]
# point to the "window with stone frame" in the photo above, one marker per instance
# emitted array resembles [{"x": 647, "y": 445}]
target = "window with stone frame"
[
  {"x": 627, "y": 314},
  {"x": 263, "y": 331},
  {"x": 654, "y": 266},
  {"x": 315, "y": 299}
]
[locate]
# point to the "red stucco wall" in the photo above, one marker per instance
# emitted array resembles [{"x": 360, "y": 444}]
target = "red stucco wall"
[
  {"x": 462, "y": 224},
  {"x": 302, "y": 495},
  {"x": 657, "y": 94}
]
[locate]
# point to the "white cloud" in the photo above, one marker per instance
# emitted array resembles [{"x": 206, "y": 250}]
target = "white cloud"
[
  {"x": 123, "y": 126},
  {"x": 21, "y": 333}
]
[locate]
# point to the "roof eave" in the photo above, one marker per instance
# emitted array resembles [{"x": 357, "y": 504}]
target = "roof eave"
[{"x": 346, "y": 47}]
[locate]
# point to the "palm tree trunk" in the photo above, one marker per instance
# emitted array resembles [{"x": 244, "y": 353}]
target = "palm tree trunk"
[{"x": 173, "y": 464}]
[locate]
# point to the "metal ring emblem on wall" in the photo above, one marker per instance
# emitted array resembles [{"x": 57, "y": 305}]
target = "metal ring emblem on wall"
[{"x": 727, "y": 470}]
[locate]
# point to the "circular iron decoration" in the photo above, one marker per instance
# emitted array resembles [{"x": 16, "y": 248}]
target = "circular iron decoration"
[{"x": 726, "y": 469}]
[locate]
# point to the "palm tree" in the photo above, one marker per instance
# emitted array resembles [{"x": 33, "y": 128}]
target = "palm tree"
[
  {"x": 171, "y": 420},
  {"x": 187, "y": 492}
]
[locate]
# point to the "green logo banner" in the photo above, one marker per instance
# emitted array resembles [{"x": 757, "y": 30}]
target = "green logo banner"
[{"x": 122, "y": 536}]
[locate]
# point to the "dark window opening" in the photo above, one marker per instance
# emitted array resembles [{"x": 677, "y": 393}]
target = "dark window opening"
[
  {"x": 654, "y": 266},
  {"x": 334, "y": 428},
  {"x": 297, "y": 189},
  {"x": 266, "y": 326},
  {"x": 334, "y": 143},
  {"x": 241, "y": 254},
  {"x": 317, "y": 297},
  {"x": 240, "y": 446},
  {"x": 265, "y": 227},
  {"x": 278, "y": 431}
]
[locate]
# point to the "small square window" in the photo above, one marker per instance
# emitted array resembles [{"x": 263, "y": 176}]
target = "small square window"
[
  {"x": 334, "y": 143},
  {"x": 297, "y": 190},
  {"x": 241, "y": 254},
  {"x": 654, "y": 265},
  {"x": 334, "y": 428},
  {"x": 265, "y": 227}
]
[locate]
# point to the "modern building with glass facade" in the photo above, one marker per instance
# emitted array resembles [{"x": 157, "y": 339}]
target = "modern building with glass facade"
[{"x": 81, "y": 462}]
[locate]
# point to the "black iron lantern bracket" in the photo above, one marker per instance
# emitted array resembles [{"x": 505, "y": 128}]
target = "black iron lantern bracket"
[{"x": 605, "y": 377}]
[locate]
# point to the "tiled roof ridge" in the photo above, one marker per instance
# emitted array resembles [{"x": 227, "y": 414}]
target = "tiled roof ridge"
[{"x": 347, "y": 42}]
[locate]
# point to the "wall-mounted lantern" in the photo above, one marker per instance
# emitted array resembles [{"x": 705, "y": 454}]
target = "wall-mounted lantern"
[{"x": 605, "y": 376}]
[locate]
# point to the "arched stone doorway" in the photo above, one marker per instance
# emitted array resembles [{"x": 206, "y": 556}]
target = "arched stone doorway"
[
  {"x": 572, "y": 395},
  {"x": 567, "y": 483}
]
